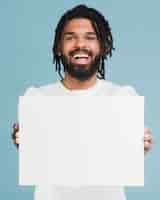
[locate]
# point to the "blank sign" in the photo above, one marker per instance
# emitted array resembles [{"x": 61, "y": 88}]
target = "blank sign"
[{"x": 81, "y": 140}]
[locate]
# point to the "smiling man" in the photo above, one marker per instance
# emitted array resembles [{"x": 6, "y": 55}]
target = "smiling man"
[
  {"x": 83, "y": 40},
  {"x": 80, "y": 50}
]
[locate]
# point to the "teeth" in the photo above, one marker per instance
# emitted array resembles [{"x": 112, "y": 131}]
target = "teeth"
[{"x": 80, "y": 56}]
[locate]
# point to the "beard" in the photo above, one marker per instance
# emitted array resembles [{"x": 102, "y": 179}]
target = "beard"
[{"x": 81, "y": 72}]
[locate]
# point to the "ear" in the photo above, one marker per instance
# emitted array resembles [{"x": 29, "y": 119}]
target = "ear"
[
  {"x": 102, "y": 51},
  {"x": 59, "y": 53},
  {"x": 59, "y": 50}
]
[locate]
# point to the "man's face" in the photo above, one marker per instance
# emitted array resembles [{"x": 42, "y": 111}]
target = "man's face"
[{"x": 80, "y": 49}]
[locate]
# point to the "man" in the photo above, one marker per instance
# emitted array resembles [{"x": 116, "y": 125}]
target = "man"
[{"x": 83, "y": 40}]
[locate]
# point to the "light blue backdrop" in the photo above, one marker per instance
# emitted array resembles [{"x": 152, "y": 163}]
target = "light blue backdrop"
[{"x": 26, "y": 35}]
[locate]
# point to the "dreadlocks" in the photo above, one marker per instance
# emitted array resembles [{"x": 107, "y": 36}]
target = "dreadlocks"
[{"x": 102, "y": 29}]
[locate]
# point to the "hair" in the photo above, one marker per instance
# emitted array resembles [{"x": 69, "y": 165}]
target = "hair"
[{"x": 102, "y": 29}]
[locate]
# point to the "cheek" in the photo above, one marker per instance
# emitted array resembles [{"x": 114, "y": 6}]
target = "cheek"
[
  {"x": 95, "y": 47},
  {"x": 96, "y": 50},
  {"x": 66, "y": 49}
]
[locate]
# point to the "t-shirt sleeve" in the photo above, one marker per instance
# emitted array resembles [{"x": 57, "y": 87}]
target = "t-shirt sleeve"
[
  {"x": 31, "y": 91},
  {"x": 127, "y": 91}
]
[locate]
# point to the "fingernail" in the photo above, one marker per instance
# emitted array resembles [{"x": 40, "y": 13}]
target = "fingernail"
[{"x": 14, "y": 125}]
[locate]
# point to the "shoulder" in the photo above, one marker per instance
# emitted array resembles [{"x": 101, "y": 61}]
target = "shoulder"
[
  {"x": 42, "y": 90},
  {"x": 118, "y": 89}
]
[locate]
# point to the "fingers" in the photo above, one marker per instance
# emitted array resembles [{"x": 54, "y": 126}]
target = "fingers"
[
  {"x": 16, "y": 142},
  {"x": 15, "y": 134},
  {"x": 148, "y": 135},
  {"x": 16, "y": 126},
  {"x": 147, "y": 145},
  {"x": 148, "y": 139}
]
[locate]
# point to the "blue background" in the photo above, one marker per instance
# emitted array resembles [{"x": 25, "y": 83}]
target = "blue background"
[{"x": 26, "y": 37}]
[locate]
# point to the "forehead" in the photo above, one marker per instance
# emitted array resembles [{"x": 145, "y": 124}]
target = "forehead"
[{"x": 80, "y": 25}]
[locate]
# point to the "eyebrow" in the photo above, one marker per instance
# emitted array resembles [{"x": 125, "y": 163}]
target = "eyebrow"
[{"x": 72, "y": 33}]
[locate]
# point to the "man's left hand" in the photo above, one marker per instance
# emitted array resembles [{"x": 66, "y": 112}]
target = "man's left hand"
[{"x": 148, "y": 139}]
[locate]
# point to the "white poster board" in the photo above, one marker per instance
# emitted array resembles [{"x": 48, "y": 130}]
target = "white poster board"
[{"x": 81, "y": 140}]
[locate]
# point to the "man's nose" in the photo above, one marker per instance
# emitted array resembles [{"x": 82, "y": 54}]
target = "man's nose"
[{"x": 80, "y": 43}]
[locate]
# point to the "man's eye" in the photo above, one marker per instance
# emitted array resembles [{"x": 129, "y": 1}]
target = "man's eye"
[
  {"x": 69, "y": 37},
  {"x": 91, "y": 38}
]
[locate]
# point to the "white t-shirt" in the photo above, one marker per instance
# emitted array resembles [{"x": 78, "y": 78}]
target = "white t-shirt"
[{"x": 46, "y": 192}]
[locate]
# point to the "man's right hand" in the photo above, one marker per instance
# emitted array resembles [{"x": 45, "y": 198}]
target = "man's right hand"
[{"x": 15, "y": 134}]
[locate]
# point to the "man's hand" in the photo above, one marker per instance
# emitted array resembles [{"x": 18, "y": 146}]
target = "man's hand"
[
  {"x": 148, "y": 139},
  {"x": 15, "y": 134}
]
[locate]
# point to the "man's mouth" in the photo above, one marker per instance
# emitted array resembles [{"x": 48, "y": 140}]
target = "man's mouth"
[{"x": 81, "y": 58}]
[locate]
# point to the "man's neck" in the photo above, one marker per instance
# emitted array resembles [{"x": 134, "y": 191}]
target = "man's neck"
[{"x": 74, "y": 84}]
